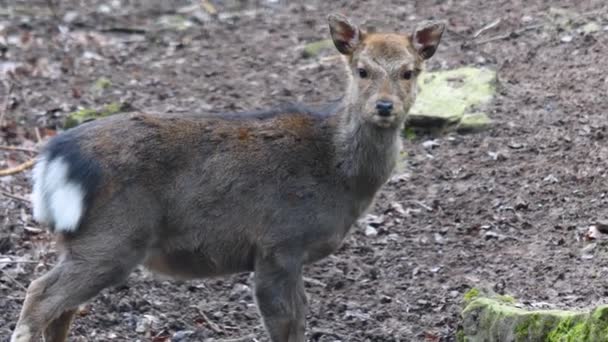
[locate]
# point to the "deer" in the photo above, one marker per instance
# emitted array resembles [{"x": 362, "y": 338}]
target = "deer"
[{"x": 205, "y": 195}]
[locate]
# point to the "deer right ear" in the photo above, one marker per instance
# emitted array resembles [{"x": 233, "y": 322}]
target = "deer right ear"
[{"x": 346, "y": 35}]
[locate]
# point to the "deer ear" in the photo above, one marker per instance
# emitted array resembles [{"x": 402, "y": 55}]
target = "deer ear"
[
  {"x": 346, "y": 35},
  {"x": 426, "y": 38}
]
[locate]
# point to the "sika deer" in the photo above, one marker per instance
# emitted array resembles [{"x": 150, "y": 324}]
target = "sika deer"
[{"x": 206, "y": 195}]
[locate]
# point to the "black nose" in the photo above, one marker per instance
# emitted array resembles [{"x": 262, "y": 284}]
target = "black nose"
[{"x": 384, "y": 107}]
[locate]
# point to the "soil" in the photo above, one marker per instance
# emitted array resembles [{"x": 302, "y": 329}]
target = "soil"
[{"x": 508, "y": 208}]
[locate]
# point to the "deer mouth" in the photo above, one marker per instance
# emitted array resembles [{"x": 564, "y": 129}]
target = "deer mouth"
[{"x": 384, "y": 121}]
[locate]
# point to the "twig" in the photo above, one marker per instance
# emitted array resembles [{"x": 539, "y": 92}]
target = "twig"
[
  {"x": 16, "y": 148},
  {"x": 18, "y": 262},
  {"x": 208, "y": 6},
  {"x": 424, "y": 206},
  {"x": 314, "y": 282},
  {"x": 15, "y": 197},
  {"x": 487, "y": 27},
  {"x": 18, "y": 168},
  {"x": 213, "y": 326},
  {"x": 512, "y": 34},
  {"x": 14, "y": 280}
]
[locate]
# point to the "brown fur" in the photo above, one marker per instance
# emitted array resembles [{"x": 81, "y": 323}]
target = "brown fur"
[{"x": 199, "y": 196}]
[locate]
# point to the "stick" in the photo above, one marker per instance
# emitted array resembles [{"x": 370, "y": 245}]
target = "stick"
[
  {"x": 14, "y": 280},
  {"x": 18, "y": 262},
  {"x": 511, "y": 34},
  {"x": 487, "y": 27},
  {"x": 15, "y": 197},
  {"x": 424, "y": 206},
  {"x": 16, "y": 148},
  {"x": 213, "y": 326},
  {"x": 18, "y": 168},
  {"x": 208, "y": 6}
]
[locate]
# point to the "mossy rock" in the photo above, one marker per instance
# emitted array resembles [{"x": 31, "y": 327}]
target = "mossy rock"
[
  {"x": 453, "y": 99},
  {"x": 499, "y": 320},
  {"x": 88, "y": 114},
  {"x": 315, "y": 48}
]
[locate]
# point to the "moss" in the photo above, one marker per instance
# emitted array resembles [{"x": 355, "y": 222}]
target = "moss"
[
  {"x": 449, "y": 94},
  {"x": 506, "y": 299},
  {"x": 315, "y": 48},
  {"x": 409, "y": 133},
  {"x": 102, "y": 83},
  {"x": 474, "y": 122},
  {"x": 522, "y": 330},
  {"x": 76, "y": 118},
  {"x": 569, "y": 331},
  {"x": 471, "y": 294},
  {"x": 453, "y": 99},
  {"x": 460, "y": 337},
  {"x": 496, "y": 319}
]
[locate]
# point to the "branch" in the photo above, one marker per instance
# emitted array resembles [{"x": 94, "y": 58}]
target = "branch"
[
  {"x": 16, "y": 148},
  {"x": 18, "y": 168}
]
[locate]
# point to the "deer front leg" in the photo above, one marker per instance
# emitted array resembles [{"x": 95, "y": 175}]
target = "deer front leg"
[{"x": 279, "y": 291}]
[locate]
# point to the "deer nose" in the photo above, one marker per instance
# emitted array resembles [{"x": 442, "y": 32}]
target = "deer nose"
[{"x": 384, "y": 107}]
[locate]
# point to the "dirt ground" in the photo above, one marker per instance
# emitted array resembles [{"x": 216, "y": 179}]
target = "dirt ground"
[{"x": 508, "y": 208}]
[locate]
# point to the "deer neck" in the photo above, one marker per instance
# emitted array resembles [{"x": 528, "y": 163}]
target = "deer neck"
[{"x": 366, "y": 153}]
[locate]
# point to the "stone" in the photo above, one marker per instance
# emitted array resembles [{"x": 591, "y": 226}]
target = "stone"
[{"x": 500, "y": 318}]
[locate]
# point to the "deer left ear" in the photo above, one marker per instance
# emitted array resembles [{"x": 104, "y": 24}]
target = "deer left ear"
[{"x": 426, "y": 38}]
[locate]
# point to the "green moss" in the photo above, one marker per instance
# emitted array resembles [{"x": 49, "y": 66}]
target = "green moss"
[
  {"x": 522, "y": 330},
  {"x": 569, "y": 331},
  {"x": 506, "y": 299},
  {"x": 449, "y": 94},
  {"x": 315, "y": 48},
  {"x": 409, "y": 133},
  {"x": 460, "y": 336},
  {"x": 474, "y": 122},
  {"x": 453, "y": 99},
  {"x": 76, "y": 118},
  {"x": 471, "y": 294},
  {"x": 102, "y": 83},
  {"x": 496, "y": 319}
]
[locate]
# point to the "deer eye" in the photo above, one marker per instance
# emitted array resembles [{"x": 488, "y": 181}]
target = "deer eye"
[
  {"x": 362, "y": 73},
  {"x": 406, "y": 75}
]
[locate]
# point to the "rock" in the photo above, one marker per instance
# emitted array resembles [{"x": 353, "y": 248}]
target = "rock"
[
  {"x": 497, "y": 318},
  {"x": 240, "y": 291},
  {"x": 591, "y": 27},
  {"x": 371, "y": 231},
  {"x": 446, "y": 98},
  {"x": 431, "y": 144},
  {"x": 472, "y": 123},
  {"x": 146, "y": 323},
  {"x": 566, "y": 39}
]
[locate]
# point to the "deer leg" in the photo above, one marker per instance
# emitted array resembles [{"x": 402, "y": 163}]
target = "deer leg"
[
  {"x": 52, "y": 299},
  {"x": 281, "y": 299}
]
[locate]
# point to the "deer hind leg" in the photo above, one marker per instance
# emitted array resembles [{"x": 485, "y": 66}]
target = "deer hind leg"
[
  {"x": 52, "y": 299},
  {"x": 57, "y": 330},
  {"x": 281, "y": 298}
]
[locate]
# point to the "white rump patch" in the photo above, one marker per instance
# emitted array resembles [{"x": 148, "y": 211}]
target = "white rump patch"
[
  {"x": 41, "y": 212},
  {"x": 56, "y": 200}
]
